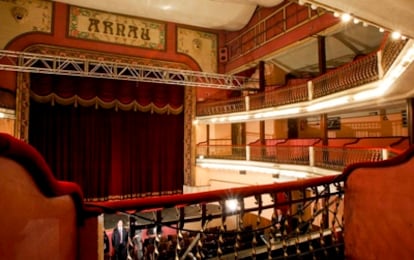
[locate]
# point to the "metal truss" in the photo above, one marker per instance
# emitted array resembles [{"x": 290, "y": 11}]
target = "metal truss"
[{"x": 61, "y": 65}]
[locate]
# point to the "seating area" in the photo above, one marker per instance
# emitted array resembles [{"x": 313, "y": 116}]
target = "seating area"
[
  {"x": 372, "y": 190},
  {"x": 277, "y": 131}
]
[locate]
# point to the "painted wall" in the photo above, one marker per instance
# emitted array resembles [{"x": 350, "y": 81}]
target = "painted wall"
[{"x": 58, "y": 24}]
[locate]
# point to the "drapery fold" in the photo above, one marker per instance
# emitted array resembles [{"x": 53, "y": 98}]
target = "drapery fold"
[
  {"x": 105, "y": 93},
  {"x": 134, "y": 151}
]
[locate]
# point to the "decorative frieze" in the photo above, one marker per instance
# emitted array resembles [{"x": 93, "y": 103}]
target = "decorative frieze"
[{"x": 95, "y": 25}]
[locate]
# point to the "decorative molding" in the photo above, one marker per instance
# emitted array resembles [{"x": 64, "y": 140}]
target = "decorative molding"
[
  {"x": 22, "y": 106},
  {"x": 88, "y": 24},
  {"x": 18, "y": 17},
  {"x": 201, "y": 46},
  {"x": 189, "y": 136}
]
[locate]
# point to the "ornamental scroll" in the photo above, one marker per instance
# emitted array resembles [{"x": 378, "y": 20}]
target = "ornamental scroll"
[{"x": 95, "y": 25}]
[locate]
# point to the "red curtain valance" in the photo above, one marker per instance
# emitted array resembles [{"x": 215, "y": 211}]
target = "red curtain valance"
[{"x": 107, "y": 93}]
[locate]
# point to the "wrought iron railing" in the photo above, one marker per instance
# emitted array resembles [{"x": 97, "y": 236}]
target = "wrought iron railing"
[
  {"x": 222, "y": 107},
  {"x": 275, "y": 25},
  {"x": 279, "y": 97},
  {"x": 336, "y": 158},
  {"x": 357, "y": 73},
  {"x": 276, "y": 221},
  {"x": 390, "y": 53},
  {"x": 302, "y": 219},
  {"x": 333, "y": 158}
]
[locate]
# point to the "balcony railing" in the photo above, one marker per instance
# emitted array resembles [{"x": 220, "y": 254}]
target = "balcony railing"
[
  {"x": 302, "y": 219},
  {"x": 356, "y": 73},
  {"x": 332, "y": 158},
  {"x": 276, "y": 221},
  {"x": 361, "y": 71}
]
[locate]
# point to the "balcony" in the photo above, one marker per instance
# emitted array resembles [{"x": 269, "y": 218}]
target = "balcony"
[
  {"x": 348, "y": 86},
  {"x": 329, "y": 217}
]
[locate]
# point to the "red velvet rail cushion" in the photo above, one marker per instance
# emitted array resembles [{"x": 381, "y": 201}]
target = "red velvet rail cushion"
[{"x": 33, "y": 162}]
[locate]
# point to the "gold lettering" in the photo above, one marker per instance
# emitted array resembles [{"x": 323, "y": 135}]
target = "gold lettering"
[
  {"x": 108, "y": 27},
  {"x": 120, "y": 29},
  {"x": 93, "y": 25},
  {"x": 145, "y": 34},
  {"x": 133, "y": 30}
]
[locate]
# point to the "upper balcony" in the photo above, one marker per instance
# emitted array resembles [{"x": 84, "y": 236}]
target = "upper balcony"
[{"x": 378, "y": 78}]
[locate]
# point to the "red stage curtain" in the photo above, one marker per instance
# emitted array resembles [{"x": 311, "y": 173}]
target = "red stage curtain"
[{"x": 116, "y": 139}]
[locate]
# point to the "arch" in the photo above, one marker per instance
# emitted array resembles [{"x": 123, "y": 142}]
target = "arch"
[{"x": 23, "y": 94}]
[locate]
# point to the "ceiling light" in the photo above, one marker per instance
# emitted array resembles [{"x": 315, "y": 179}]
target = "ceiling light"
[
  {"x": 166, "y": 7},
  {"x": 368, "y": 94},
  {"x": 409, "y": 57},
  {"x": 396, "y": 35},
  {"x": 237, "y": 167},
  {"x": 365, "y": 24},
  {"x": 346, "y": 17},
  {"x": 328, "y": 103},
  {"x": 314, "y": 7},
  {"x": 296, "y": 174},
  {"x": 381, "y": 29},
  {"x": 336, "y": 14},
  {"x": 301, "y": 2},
  {"x": 238, "y": 118},
  {"x": 7, "y": 113},
  {"x": 356, "y": 20},
  {"x": 280, "y": 112}
]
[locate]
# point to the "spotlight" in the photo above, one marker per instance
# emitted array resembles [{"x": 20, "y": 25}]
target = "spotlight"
[
  {"x": 232, "y": 205},
  {"x": 314, "y": 7}
]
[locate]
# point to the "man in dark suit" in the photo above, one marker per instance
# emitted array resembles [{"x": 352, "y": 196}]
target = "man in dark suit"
[
  {"x": 120, "y": 241},
  {"x": 280, "y": 223}
]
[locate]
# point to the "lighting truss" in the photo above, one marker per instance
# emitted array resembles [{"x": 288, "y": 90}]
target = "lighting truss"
[{"x": 62, "y": 65}]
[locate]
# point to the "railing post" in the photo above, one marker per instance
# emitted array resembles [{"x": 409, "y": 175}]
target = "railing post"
[
  {"x": 311, "y": 156},
  {"x": 379, "y": 64},
  {"x": 247, "y": 102},
  {"x": 247, "y": 153},
  {"x": 310, "y": 89},
  {"x": 385, "y": 154}
]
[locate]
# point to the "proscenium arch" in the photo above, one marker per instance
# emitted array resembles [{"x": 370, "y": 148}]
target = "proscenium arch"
[{"x": 23, "y": 97}]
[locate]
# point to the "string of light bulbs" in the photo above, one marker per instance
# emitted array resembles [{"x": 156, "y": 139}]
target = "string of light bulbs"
[{"x": 347, "y": 17}]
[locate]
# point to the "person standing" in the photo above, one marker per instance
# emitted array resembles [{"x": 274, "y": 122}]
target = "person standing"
[
  {"x": 106, "y": 245},
  {"x": 120, "y": 241}
]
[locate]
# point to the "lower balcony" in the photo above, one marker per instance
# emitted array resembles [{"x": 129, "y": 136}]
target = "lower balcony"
[{"x": 349, "y": 215}]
